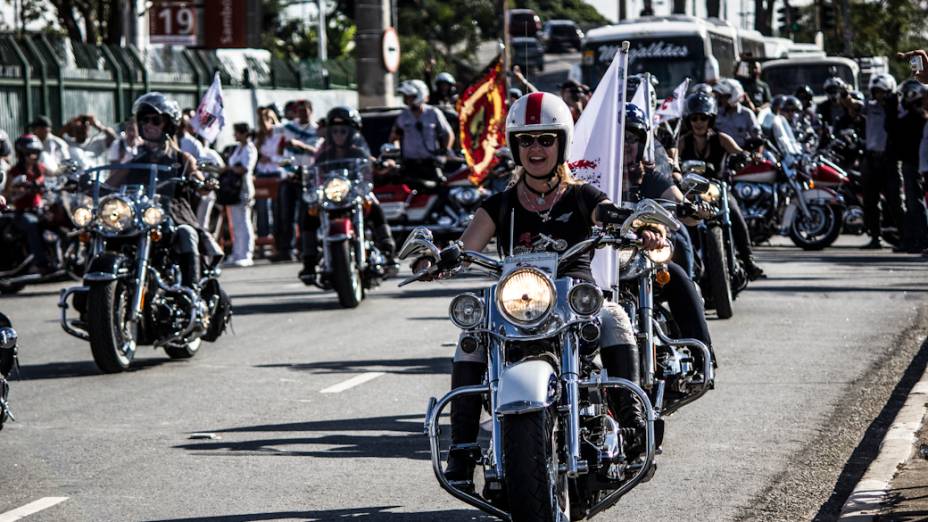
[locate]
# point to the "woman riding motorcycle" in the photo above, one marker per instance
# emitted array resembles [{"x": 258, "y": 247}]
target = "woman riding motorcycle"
[
  {"x": 343, "y": 140},
  {"x": 703, "y": 143},
  {"x": 542, "y": 199},
  {"x": 24, "y": 186},
  {"x": 158, "y": 117}
]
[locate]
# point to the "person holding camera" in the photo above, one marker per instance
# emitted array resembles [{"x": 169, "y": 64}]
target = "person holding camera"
[
  {"x": 834, "y": 106},
  {"x": 572, "y": 94},
  {"x": 88, "y": 150},
  {"x": 905, "y": 131}
]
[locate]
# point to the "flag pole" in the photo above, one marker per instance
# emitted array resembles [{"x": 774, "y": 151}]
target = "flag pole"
[{"x": 620, "y": 149}]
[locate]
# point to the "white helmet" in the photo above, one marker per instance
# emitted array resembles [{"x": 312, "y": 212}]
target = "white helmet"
[
  {"x": 882, "y": 81},
  {"x": 537, "y": 112},
  {"x": 416, "y": 88},
  {"x": 731, "y": 88}
]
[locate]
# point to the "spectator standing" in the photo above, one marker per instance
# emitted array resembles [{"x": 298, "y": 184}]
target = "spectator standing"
[
  {"x": 905, "y": 132},
  {"x": 756, "y": 90},
  {"x": 127, "y": 145},
  {"x": 301, "y": 140},
  {"x": 88, "y": 150},
  {"x": 269, "y": 140},
  {"x": 55, "y": 151},
  {"x": 242, "y": 162}
]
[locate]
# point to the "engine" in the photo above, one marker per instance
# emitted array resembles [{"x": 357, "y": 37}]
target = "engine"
[{"x": 758, "y": 205}]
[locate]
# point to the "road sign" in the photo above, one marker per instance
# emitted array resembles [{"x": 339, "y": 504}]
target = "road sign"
[
  {"x": 391, "y": 50},
  {"x": 173, "y": 22}
]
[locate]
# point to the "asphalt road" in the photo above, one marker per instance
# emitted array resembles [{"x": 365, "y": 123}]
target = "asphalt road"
[{"x": 246, "y": 430}]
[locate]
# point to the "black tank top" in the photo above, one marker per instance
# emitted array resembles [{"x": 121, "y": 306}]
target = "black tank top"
[
  {"x": 712, "y": 155},
  {"x": 570, "y": 220}
]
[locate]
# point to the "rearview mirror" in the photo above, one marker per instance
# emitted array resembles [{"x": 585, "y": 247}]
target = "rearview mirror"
[
  {"x": 650, "y": 212},
  {"x": 419, "y": 243},
  {"x": 694, "y": 183}
]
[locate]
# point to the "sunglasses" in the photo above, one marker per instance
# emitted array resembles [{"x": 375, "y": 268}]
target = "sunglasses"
[
  {"x": 527, "y": 140},
  {"x": 152, "y": 119},
  {"x": 699, "y": 117}
]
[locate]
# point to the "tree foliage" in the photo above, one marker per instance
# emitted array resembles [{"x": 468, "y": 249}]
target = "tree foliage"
[
  {"x": 89, "y": 21},
  {"x": 297, "y": 39},
  {"x": 584, "y": 14}
]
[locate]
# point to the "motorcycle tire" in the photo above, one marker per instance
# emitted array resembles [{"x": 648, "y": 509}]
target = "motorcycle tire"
[
  {"x": 11, "y": 289},
  {"x": 832, "y": 227},
  {"x": 717, "y": 272},
  {"x": 531, "y": 469},
  {"x": 105, "y": 324},
  {"x": 183, "y": 350},
  {"x": 345, "y": 275}
]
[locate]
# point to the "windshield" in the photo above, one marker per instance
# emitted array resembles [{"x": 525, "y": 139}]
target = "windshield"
[
  {"x": 671, "y": 60},
  {"x": 138, "y": 178},
  {"x": 785, "y": 79}
]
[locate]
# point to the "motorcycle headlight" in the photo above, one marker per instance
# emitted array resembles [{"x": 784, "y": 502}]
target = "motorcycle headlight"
[
  {"x": 466, "y": 311},
  {"x": 713, "y": 194},
  {"x": 336, "y": 189},
  {"x": 311, "y": 196},
  {"x": 661, "y": 255},
  {"x": 525, "y": 296},
  {"x": 585, "y": 299},
  {"x": 116, "y": 213},
  {"x": 81, "y": 216},
  {"x": 153, "y": 216}
]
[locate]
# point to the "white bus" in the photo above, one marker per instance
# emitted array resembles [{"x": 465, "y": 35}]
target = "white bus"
[{"x": 669, "y": 47}]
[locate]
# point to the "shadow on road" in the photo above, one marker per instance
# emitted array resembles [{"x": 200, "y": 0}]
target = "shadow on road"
[
  {"x": 348, "y": 444},
  {"x": 434, "y": 292},
  {"x": 418, "y": 366},
  {"x": 362, "y": 513},
  {"x": 285, "y": 307},
  {"x": 65, "y": 370},
  {"x": 831, "y": 289}
]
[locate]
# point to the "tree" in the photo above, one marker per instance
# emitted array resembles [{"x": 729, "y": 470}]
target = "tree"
[
  {"x": 297, "y": 39},
  {"x": 90, "y": 21},
  {"x": 584, "y": 14}
]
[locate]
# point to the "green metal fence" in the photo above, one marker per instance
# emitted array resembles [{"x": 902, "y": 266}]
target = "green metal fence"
[{"x": 61, "y": 78}]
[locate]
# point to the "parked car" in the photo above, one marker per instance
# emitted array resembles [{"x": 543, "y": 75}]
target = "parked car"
[
  {"x": 558, "y": 35},
  {"x": 528, "y": 54},
  {"x": 523, "y": 23}
]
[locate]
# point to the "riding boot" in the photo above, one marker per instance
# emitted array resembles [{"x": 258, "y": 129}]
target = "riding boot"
[
  {"x": 308, "y": 273},
  {"x": 622, "y": 361},
  {"x": 754, "y": 271},
  {"x": 189, "y": 264},
  {"x": 383, "y": 237},
  {"x": 465, "y": 421}
]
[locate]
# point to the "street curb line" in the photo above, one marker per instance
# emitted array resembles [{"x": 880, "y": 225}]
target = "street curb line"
[{"x": 866, "y": 500}]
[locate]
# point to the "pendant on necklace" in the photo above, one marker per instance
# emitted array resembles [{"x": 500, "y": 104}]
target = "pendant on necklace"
[{"x": 540, "y": 200}]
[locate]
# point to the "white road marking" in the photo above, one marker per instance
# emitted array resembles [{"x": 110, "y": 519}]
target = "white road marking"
[
  {"x": 31, "y": 508},
  {"x": 352, "y": 382}
]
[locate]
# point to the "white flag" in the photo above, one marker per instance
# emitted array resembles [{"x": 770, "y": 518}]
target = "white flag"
[
  {"x": 642, "y": 100},
  {"x": 672, "y": 107},
  {"x": 596, "y": 151},
  {"x": 210, "y": 117}
]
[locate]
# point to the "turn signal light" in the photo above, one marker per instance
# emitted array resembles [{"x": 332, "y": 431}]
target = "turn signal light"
[
  {"x": 312, "y": 211},
  {"x": 84, "y": 237},
  {"x": 155, "y": 235},
  {"x": 662, "y": 277}
]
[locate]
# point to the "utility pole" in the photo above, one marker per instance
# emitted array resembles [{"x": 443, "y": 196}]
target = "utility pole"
[
  {"x": 375, "y": 84},
  {"x": 323, "y": 45}
]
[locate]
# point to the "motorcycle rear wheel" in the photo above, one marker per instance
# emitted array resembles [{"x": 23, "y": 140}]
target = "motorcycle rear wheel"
[
  {"x": 533, "y": 487},
  {"x": 346, "y": 275},
  {"x": 820, "y": 231},
  {"x": 111, "y": 342},
  {"x": 717, "y": 272}
]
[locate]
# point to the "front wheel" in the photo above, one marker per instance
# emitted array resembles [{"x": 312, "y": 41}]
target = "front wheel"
[
  {"x": 533, "y": 486},
  {"x": 819, "y": 230},
  {"x": 345, "y": 274},
  {"x": 112, "y": 340},
  {"x": 717, "y": 272}
]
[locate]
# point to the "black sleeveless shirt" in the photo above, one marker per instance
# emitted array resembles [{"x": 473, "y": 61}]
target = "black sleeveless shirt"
[
  {"x": 570, "y": 220},
  {"x": 713, "y": 153}
]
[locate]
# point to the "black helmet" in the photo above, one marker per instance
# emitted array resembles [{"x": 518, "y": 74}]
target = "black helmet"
[
  {"x": 157, "y": 103},
  {"x": 28, "y": 143},
  {"x": 791, "y": 103},
  {"x": 804, "y": 93},
  {"x": 777, "y": 103},
  {"x": 343, "y": 116},
  {"x": 700, "y": 103},
  {"x": 696, "y": 88}
]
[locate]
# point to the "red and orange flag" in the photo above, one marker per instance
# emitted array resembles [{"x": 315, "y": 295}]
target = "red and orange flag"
[{"x": 482, "y": 119}]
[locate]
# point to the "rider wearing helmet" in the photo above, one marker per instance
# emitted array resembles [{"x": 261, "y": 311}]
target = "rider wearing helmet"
[
  {"x": 734, "y": 119},
  {"x": 158, "y": 118},
  {"x": 547, "y": 203},
  {"x": 423, "y": 133},
  {"x": 343, "y": 140},
  {"x": 905, "y": 135},
  {"x": 444, "y": 90},
  {"x": 703, "y": 143},
  {"x": 25, "y": 183},
  {"x": 833, "y": 108},
  {"x": 881, "y": 173}
]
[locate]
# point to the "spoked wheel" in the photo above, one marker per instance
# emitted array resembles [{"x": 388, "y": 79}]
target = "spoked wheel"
[
  {"x": 819, "y": 230},
  {"x": 536, "y": 491},
  {"x": 182, "y": 350},
  {"x": 112, "y": 336},
  {"x": 717, "y": 272},
  {"x": 346, "y": 275}
]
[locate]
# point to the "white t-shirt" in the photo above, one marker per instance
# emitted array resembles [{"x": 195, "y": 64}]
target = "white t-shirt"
[
  {"x": 271, "y": 150},
  {"x": 55, "y": 151},
  {"x": 91, "y": 153},
  {"x": 306, "y": 133},
  {"x": 247, "y": 156},
  {"x": 191, "y": 146},
  {"x": 121, "y": 151}
]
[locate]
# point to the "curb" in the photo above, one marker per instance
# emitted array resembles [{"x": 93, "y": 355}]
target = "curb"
[{"x": 866, "y": 500}]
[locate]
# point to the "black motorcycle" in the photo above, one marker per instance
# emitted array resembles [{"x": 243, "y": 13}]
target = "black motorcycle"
[
  {"x": 8, "y": 362},
  {"x": 132, "y": 293},
  {"x": 720, "y": 273},
  {"x": 337, "y": 192}
]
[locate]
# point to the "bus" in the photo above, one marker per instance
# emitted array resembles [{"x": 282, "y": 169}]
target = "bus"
[
  {"x": 671, "y": 48},
  {"x": 785, "y": 76}
]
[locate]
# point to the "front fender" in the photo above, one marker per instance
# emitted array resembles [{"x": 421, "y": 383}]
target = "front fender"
[
  {"x": 526, "y": 387},
  {"x": 816, "y": 195},
  {"x": 106, "y": 267}
]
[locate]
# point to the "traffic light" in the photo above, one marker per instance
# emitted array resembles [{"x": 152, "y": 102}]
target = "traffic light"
[
  {"x": 784, "y": 17},
  {"x": 828, "y": 16},
  {"x": 794, "y": 18}
]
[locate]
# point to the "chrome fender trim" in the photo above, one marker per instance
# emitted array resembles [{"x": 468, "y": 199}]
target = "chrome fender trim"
[{"x": 525, "y": 387}]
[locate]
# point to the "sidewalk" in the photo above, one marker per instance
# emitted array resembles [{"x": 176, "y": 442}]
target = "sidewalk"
[{"x": 907, "y": 500}]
